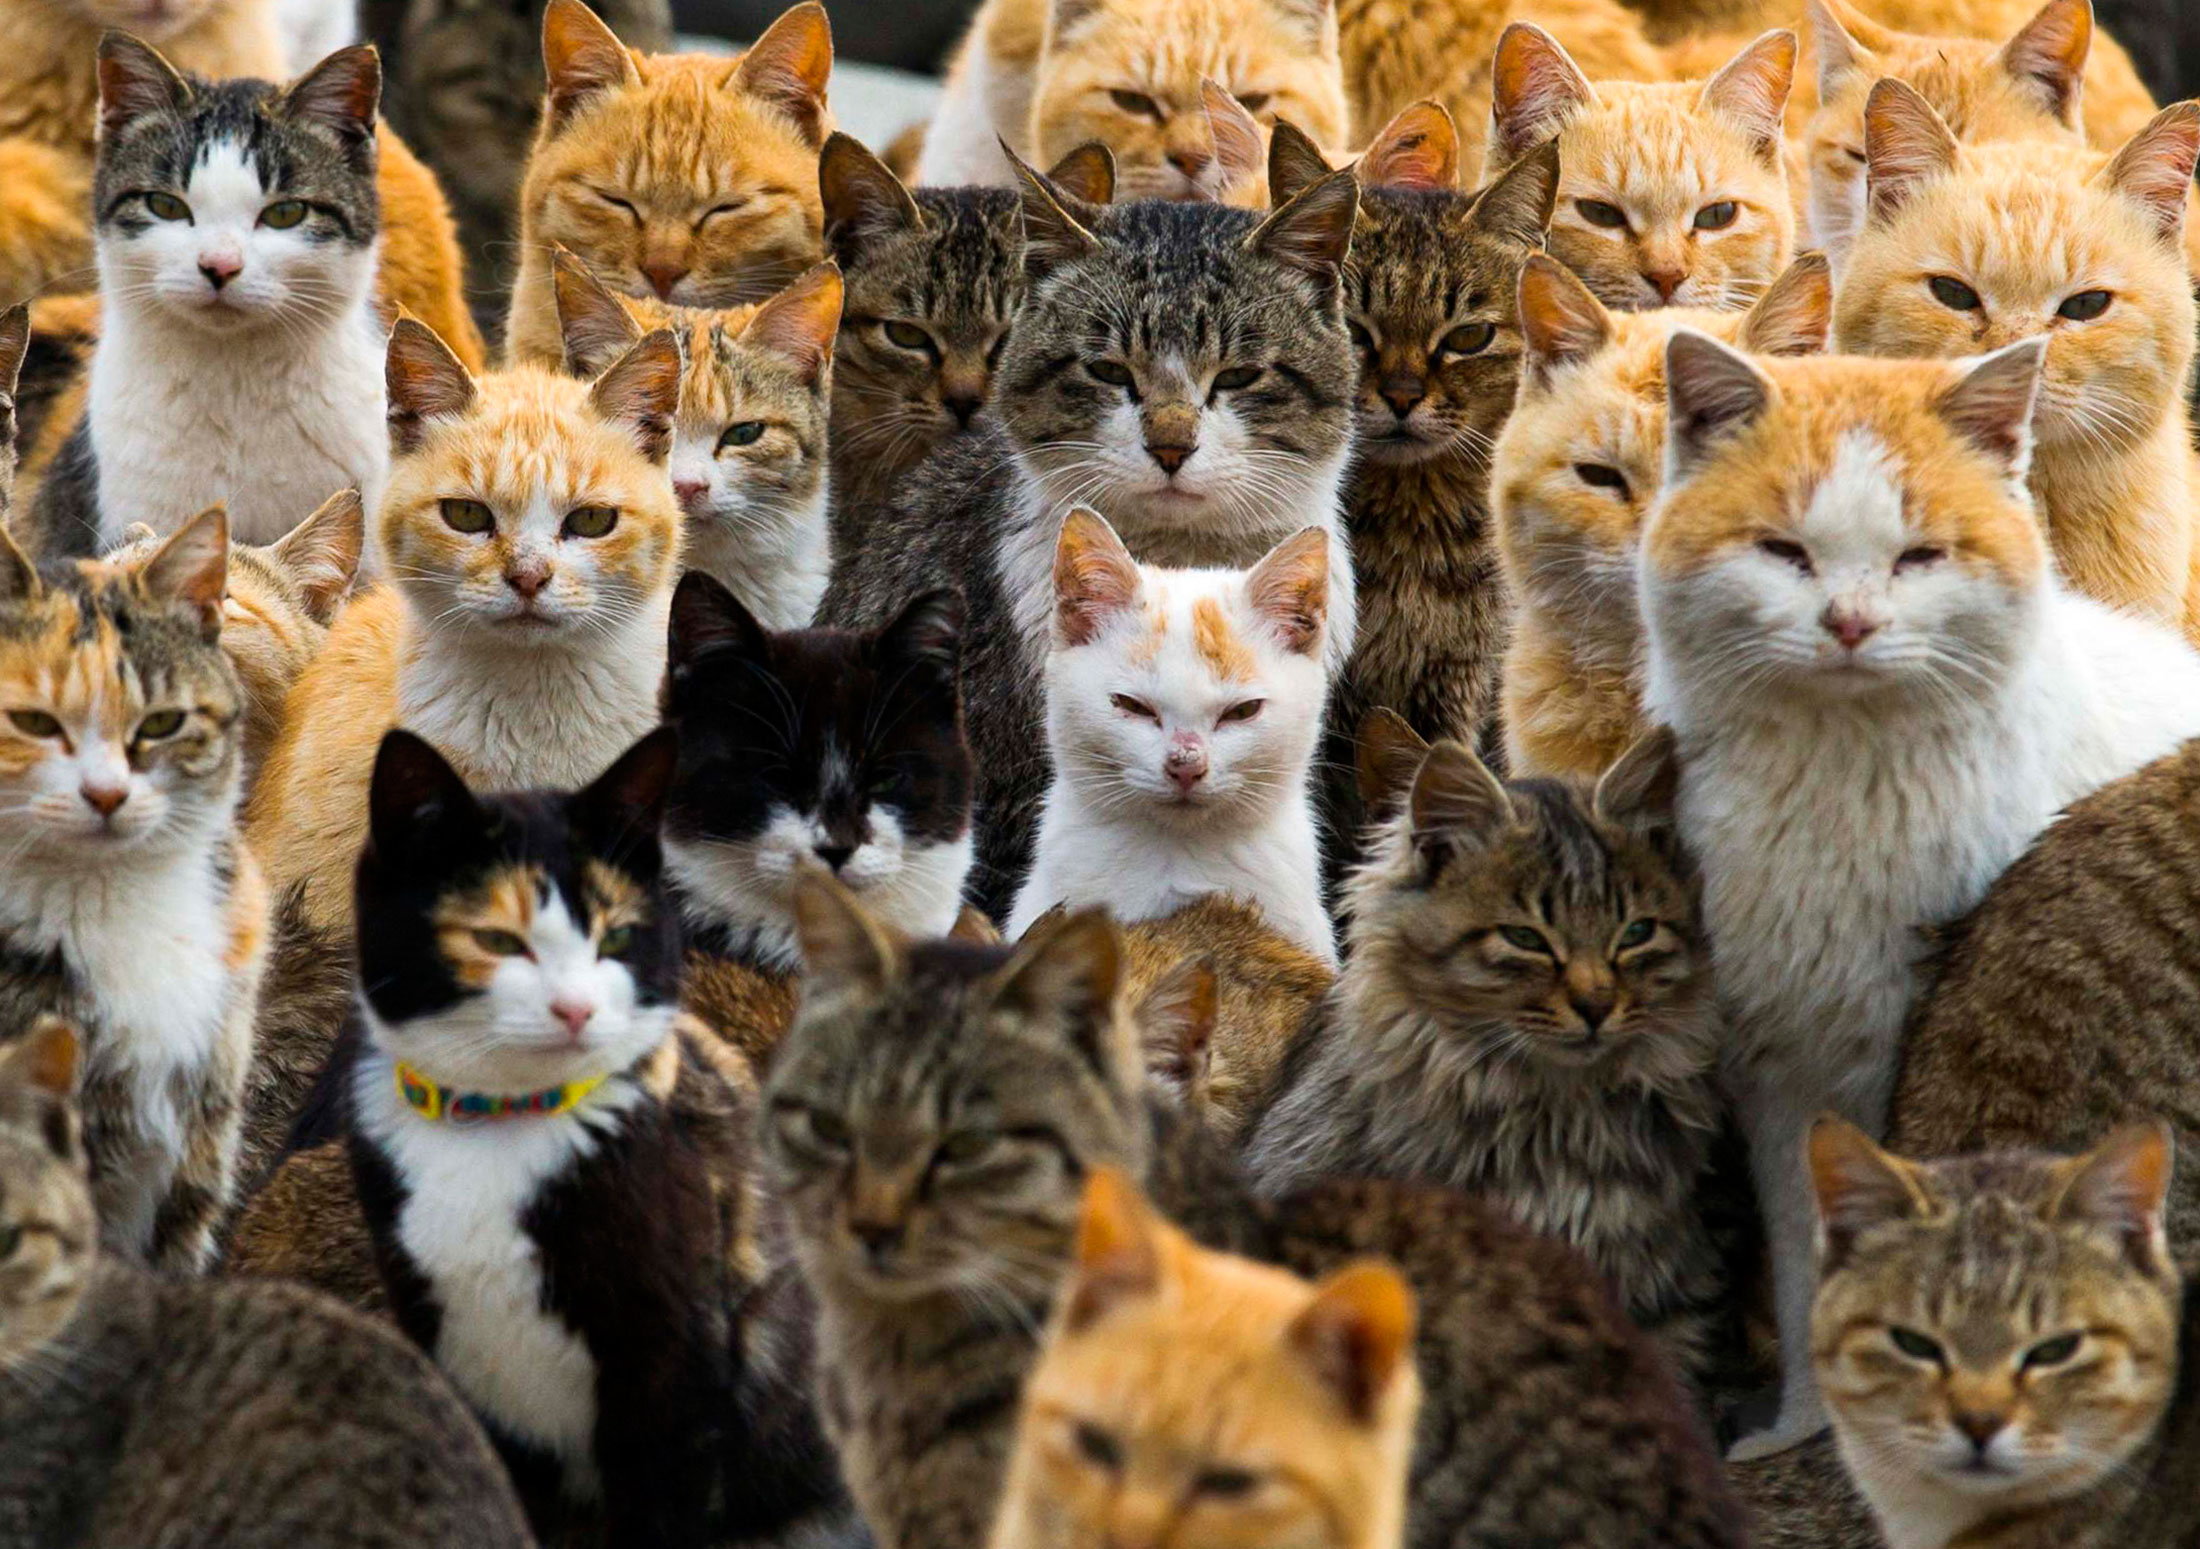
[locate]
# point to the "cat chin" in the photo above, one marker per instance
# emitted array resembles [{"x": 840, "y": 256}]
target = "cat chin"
[{"x": 512, "y": 1067}]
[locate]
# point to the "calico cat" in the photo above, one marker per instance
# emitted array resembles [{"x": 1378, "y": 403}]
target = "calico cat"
[
  {"x": 1208, "y": 1399},
  {"x": 1972, "y": 245},
  {"x": 1998, "y": 1338},
  {"x": 131, "y": 908},
  {"x": 689, "y": 177},
  {"x": 1672, "y": 194},
  {"x": 1882, "y": 692},
  {"x": 748, "y": 440},
  {"x": 1576, "y": 470},
  {"x": 140, "y": 1410},
  {"x": 822, "y": 748},
  {"x": 1183, "y": 712}
]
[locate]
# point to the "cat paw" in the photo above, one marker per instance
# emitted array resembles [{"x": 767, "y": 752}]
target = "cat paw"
[{"x": 1782, "y": 1436}]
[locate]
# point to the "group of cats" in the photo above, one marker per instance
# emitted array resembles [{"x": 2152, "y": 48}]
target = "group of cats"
[{"x": 1201, "y": 849}]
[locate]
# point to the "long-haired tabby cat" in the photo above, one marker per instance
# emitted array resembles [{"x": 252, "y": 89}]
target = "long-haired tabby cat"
[
  {"x": 137, "y": 1409},
  {"x": 689, "y": 177},
  {"x": 1970, "y": 246},
  {"x": 1883, "y": 691},
  {"x": 1202, "y": 1398}
]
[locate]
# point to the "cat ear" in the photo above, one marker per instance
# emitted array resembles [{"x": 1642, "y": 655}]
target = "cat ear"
[
  {"x": 1086, "y": 173},
  {"x": 928, "y": 634},
  {"x": 192, "y": 568},
  {"x": 322, "y": 552},
  {"x": 1643, "y": 782},
  {"x": 1094, "y": 577},
  {"x": 1386, "y": 755},
  {"x": 1840, "y": 55},
  {"x": 580, "y": 58},
  {"x": 38, "y": 1084},
  {"x": 863, "y": 200},
  {"x": 800, "y": 324},
  {"x": 1313, "y": 232},
  {"x": 2122, "y": 1186},
  {"x": 1176, "y": 1022},
  {"x": 1052, "y": 234},
  {"x": 1317, "y": 17},
  {"x": 596, "y": 328},
  {"x": 1417, "y": 151},
  {"x": 1118, "y": 1250},
  {"x": 790, "y": 65},
  {"x": 1295, "y": 163},
  {"x": 1905, "y": 144},
  {"x": 1795, "y": 314},
  {"x": 18, "y": 576},
  {"x": 1858, "y": 1186},
  {"x": 1535, "y": 88},
  {"x": 1518, "y": 205},
  {"x": 2155, "y": 167},
  {"x": 623, "y": 808},
  {"x": 1289, "y": 590},
  {"x": 15, "y": 343},
  {"x": 1561, "y": 323},
  {"x": 134, "y": 80},
  {"x": 1069, "y": 977},
  {"x": 1240, "y": 149},
  {"x": 1358, "y": 1334},
  {"x": 1454, "y": 798},
  {"x": 415, "y": 796},
  {"x": 641, "y": 390},
  {"x": 1709, "y": 391},
  {"x": 1990, "y": 406},
  {"x": 342, "y": 93},
  {"x": 1751, "y": 90},
  {"x": 844, "y": 948},
  {"x": 2048, "y": 55},
  {"x": 1065, "y": 14},
  {"x": 972, "y": 926},
  {"x": 424, "y": 380},
  {"x": 706, "y": 619}
]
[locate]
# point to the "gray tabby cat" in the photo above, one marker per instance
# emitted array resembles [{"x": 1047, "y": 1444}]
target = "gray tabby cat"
[{"x": 137, "y": 1411}]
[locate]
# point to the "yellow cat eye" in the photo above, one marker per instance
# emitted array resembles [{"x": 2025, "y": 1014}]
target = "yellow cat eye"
[
  {"x": 167, "y": 207},
  {"x": 283, "y": 214},
  {"x": 1597, "y": 213},
  {"x": 1471, "y": 339},
  {"x": 615, "y": 941},
  {"x": 34, "y": 723},
  {"x": 1717, "y": 217},
  {"x": 590, "y": 521},
  {"x": 1138, "y": 104},
  {"x": 501, "y": 943},
  {"x": 161, "y": 723},
  {"x": 909, "y": 336},
  {"x": 469, "y": 516}
]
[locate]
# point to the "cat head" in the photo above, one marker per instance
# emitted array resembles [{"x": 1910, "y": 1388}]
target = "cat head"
[
  {"x": 1130, "y": 74},
  {"x": 528, "y": 510},
  {"x": 937, "y": 1106},
  {"x": 512, "y": 942},
  {"x": 816, "y": 749},
  {"x": 1195, "y": 695},
  {"x": 1670, "y": 195},
  {"x": 49, "y": 1232},
  {"x": 689, "y": 177},
  {"x": 1992, "y": 1332},
  {"x": 234, "y": 205},
  {"x": 1841, "y": 529},
  {"x": 1189, "y": 1396},
  {"x": 1965, "y": 248},
  {"x": 120, "y": 715}
]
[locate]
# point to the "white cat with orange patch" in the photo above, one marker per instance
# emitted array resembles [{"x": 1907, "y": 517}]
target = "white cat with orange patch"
[{"x": 1183, "y": 711}]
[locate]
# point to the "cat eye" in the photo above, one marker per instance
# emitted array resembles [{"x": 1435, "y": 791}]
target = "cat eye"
[
  {"x": 1137, "y": 707},
  {"x": 909, "y": 336},
  {"x": 501, "y": 943},
  {"x": 1099, "y": 1448},
  {"x": 1361, "y": 339},
  {"x": 1243, "y": 710},
  {"x": 161, "y": 723},
  {"x": 1526, "y": 940},
  {"x": 615, "y": 941},
  {"x": 1856, "y": 156},
  {"x": 2051, "y": 1352},
  {"x": 1637, "y": 933},
  {"x": 1917, "y": 1346},
  {"x": 1472, "y": 339},
  {"x": 1918, "y": 558},
  {"x": 1252, "y": 101},
  {"x": 591, "y": 521},
  {"x": 1602, "y": 476},
  {"x": 1236, "y": 377},
  {"x": 1717, "y": 217},
  {"x": 1597, "y": 213},
  {"x": 741, "y": 433},
  {"x": 829, "y": 1129},
  {"x": 1138, "y": 103},
  {"x": 1225, "y": 1484},
  {"x": 1788, "y": 553},
  {"x": 167, "y": 207},
  {"x": 1953, "y": 294},
  {"x": 965, "y": 1146},
  {"x": 617, "y": 203},
  {"x": 468, "y": 516},
  {"x": 1111, "y": 373},
  {"x": 2085, "y": 306},
  {"x": 34, "y": 723},
  {"x": 717, "y": 210},
  {"x": 283, "y": 214},
  {"x": 11, "y": 1238}
]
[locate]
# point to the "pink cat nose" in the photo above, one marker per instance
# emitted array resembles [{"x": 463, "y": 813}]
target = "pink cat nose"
[
  {"x": 106, "y": 800},
  {"x": 528, "y": 579},
  {"x": 574, "y": 1014},
  {"x": 1185, "y": 763},
  {"x": 1666, "y": 281},
  {"x": 690, "y": 492},
  {"x": 220, "y": 268},
  {"x": 1189, "y": 160},
  {"x": 1851, "y": 626}
]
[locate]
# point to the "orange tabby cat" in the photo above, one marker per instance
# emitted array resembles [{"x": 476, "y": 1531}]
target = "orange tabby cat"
[
  {"x": 1670, "y": 194},
  {"x": 1187, "y": 1397},
  {"x": 689, "y": 177}
]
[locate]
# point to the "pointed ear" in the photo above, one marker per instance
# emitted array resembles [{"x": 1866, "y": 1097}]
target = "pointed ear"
[
  {"x": 1316, "y": 18},
  {"x": 580, "y": 58},
  {"x": 1905, "y": 144},
  {"x": 192, "y": 568},
  {"x": 1295, "y": 163},
  {"x": 2122, "y": 1187},
  {"x": 1561, "y": 323},
  {"x": 134, "y": 80},
  {"x": 414, "y": 795},
  {"x": 1095, "y": 577},
  {"x": 1070, "y": 977},
  {"x": 928, "y": 634},
  {"x": 1710, "y": 390},
  {"x": 1053, "y": 235},
  {"x": 1535, "y": 88},
  {"x": 1086, "y": 173},
  {"x": 1518, "y": 205},
  {"x": 973, "y": 926},
  {"x": 801, "y": 322},
  {"x": 425, "y": 381},
  {"x": 1751, "y": 90},
  {"x": 2048, "y": 56},
  {"x": 1455, "y": 798},
  {"x": 1289, "y": 590},
  {"x": 44, "y": 1062},
  {"x": 1858, "y": 1186},
  {"x": 1840, "y": 55},
  {"x": 706, "y": 619},
  {"x": 1176, "y": 1022},
  {"x": 642, "y": 390},
  {"x": 1312, "y": 233},
  {"x": 1386, "y": 755},
  {"x": 1119, "y": 1251},
  {"x": 2154, "y": 168},
  {"x": 18, "y": 576},
  {"x": 1795, "y": 314},
  {"x": 1240, "y": 148},
  {"x": 596, "y": 328},
  {"x": 1417, "y": 151},
  {"x": 342, "y": 93},
  {"x": 863, "y": 200},
  {"x": 790, "y": 65},
  {"x": 1357, "y": 1335},
  {"x": 15, "y": 343},
  {"x": 322, "y": 552},
  {"x": 1991, "y": 405},
  {"x": 625, "y": 805},
  {"x": 1643, "y": 782},
  {"x": 844, "y": 948}
]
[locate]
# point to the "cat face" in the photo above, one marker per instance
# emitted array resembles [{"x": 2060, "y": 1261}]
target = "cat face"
[
  {"x": 688, "y": 178},
  {"x": 1992, "y": 1332},
  {"x": 817, "y": 750},
  {"x": 1669, "y": 195},
  {"x": 236, "y": 205},
  {"x": 508, "y": 943},
  {"x": 936, "y": 1106},
  {"x": 119, "y": 714},
  {"x": 1968, "y": 247},
  {"x": 1128, "y": 73},
  {"x": 1194, "y": 695},
  {"x": 49, "y": 1233},
  {"x": 527, "y": 509}
]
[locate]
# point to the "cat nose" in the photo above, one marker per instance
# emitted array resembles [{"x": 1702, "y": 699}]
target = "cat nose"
[
  {"x": 1981, "y": 1425},
  {"x": 879, "y": 1239},
  {"x": 102, "y": 798},
  {"x": 574, "y": 1014},
  {"x": 663, "y": 274},
  {"x": 690, "y": 492},
  {"x": 1191, "y": 160},
  {"x": 833, "y": 854},
  {"x": 1666, "y": 281},
  {"x": 220, "y": 268},
  {"x": 1185, "y": 764},
  {"x": 963, "y": 406},
  {"x": 1594, "y": 1007},
  {"x": 528, "y": 579},
  {"x": 1171, "y": 455},
  {"x": 1850, "y": 625},
  {"x": 1403, "y": 393}
]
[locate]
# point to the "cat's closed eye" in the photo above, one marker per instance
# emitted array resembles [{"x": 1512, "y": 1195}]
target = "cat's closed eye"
[
  {"x": 815, "y": 1128},
  {"x": 1138, "y": 104},
  {"x": 2053, "y": 1352},
  {"x": 1226, "y": 1484},
  {"x": 1098, "y": 1447},
  {"x": 11, "y": 1238},
  {"x": 1787, "y": 552}
]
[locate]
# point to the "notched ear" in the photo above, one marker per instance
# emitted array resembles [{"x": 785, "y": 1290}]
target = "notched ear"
[
  {"x": 322, "y": 552},
  {"x": 707, "y": 618},
  {"x": 134, "y": 81},
  {"x": 342, "y": 93},
  {"x": 192, "y": 568},
  {"x": 642, "y": 390},
  {"x": 1289, "y": 589},
  {"x": 1840, "y": 55},
  {"x": 1455, "y": 799},
  {"x": 1069, "y": 977},
  {"x": 790, "y": 65},
  {"x": 1086, "y": 173},
  {"x": 1795, "y": 314},
  {"x": 1561, "y": 323},
  {"x": 1857, "y": 1187},
  {"x": 1053, "y": 233},
  {"x": 2122, "y": 1186},
  {"x": 1710, "y": 391},
  {"x": 928, "y": 632},
  {"x": 863, "y": 200},
  {"x": 596, "y": 328},
  {"x": 625, "y": 805},
  {"x": 1386, "y": 755},
  {"x": 844, "y": 947},
  {"x": 580, "y": 58},
  {"x": 1295, "y": 163},
  {"x": 2154, "y": 168},
  {"x": 2048, "y": 56},
  {"x": 1358, "y": 1335},
  {"x": 424, "y": 380},
  {"x": 1095, "y": 577},
  {"x": 801, "y": 322},
  {"x": 1313, "y": 232},
  {"x": 1643, "y": 782},
  {"x": 1751, "y": 90},
  {"x": 1990, "y": 406},
  {"x": 1518, "y": 205},
  {"x": 413, "y": 793},
  {"x": 1119, "y": 1251},
  {"x": 1176, "y": 1023},
  {"x": 1535, "y": 88},
  {"x": 1905, "y": 145},
  {"x": 1417, "y": 151}
]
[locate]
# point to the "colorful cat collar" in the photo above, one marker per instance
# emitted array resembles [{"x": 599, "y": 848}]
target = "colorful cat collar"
[{"x": 432, "y": 1100}]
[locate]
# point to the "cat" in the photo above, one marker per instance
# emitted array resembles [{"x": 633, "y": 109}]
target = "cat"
[
  {"x": 239, "y": 359},
  {"x": 136, "y": 1409},
  {"x": 748, "y": 454},
  {"x": 131, "y": 908},
  {"x": 1882, "y": 692},
  {"x": 1576, "y": 469},
  {"x": 930, "y": 1122},
  {"x": 1037, "y": 78},
  {"x": 690, "y": 177},
  {"x": 1198, "y": 1397},
  {"x": 1672, "y": 194},
  {"x": 1966, "y": 246},
  {"x": 1207, "y": 416},
  {"x": 1998, "y": 1339},
  {"x": 830, "y": 749},
  {"x": 522, "y": 628},
  {"x": 1183, "y": 713}
]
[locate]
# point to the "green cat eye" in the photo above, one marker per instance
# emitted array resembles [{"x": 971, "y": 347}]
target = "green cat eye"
[
  {"x": 1098, "y": 1446},
  {"x": 591, "y": 521},
  {"x": 1953, "y": 294},
  {"x": 2051, "y": 1352},
  {"x": 1525, "y": 939},
  {"x": 1236, "y": 377},
  {"x": 1636, "y": 933},
  {"x": 167, "y": 207},
  {"x": 1916, "y": 1346},
  {"x": 2085, "y": 306},
  {"x": 909, "y": 336},
  {"x": 741, "y": 433},
  {"x": 1597, "y": 213},
  {"x": 1139, "y": 104},
  {"x": 283, "y": 214},
  {"x": 501, "y": 943},
  {"x": 1717, "y": 217},
  {"x": 1226, "y": 1484},
  {"x": 1471, "y": 339},
  {"x": 161, "y": 723},
  {"x": 468, "y": 516},
  {"x": 1110, "y": 372},
  {"x": 615, "y": 941},
  {"x": 34, "y": 723}
]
